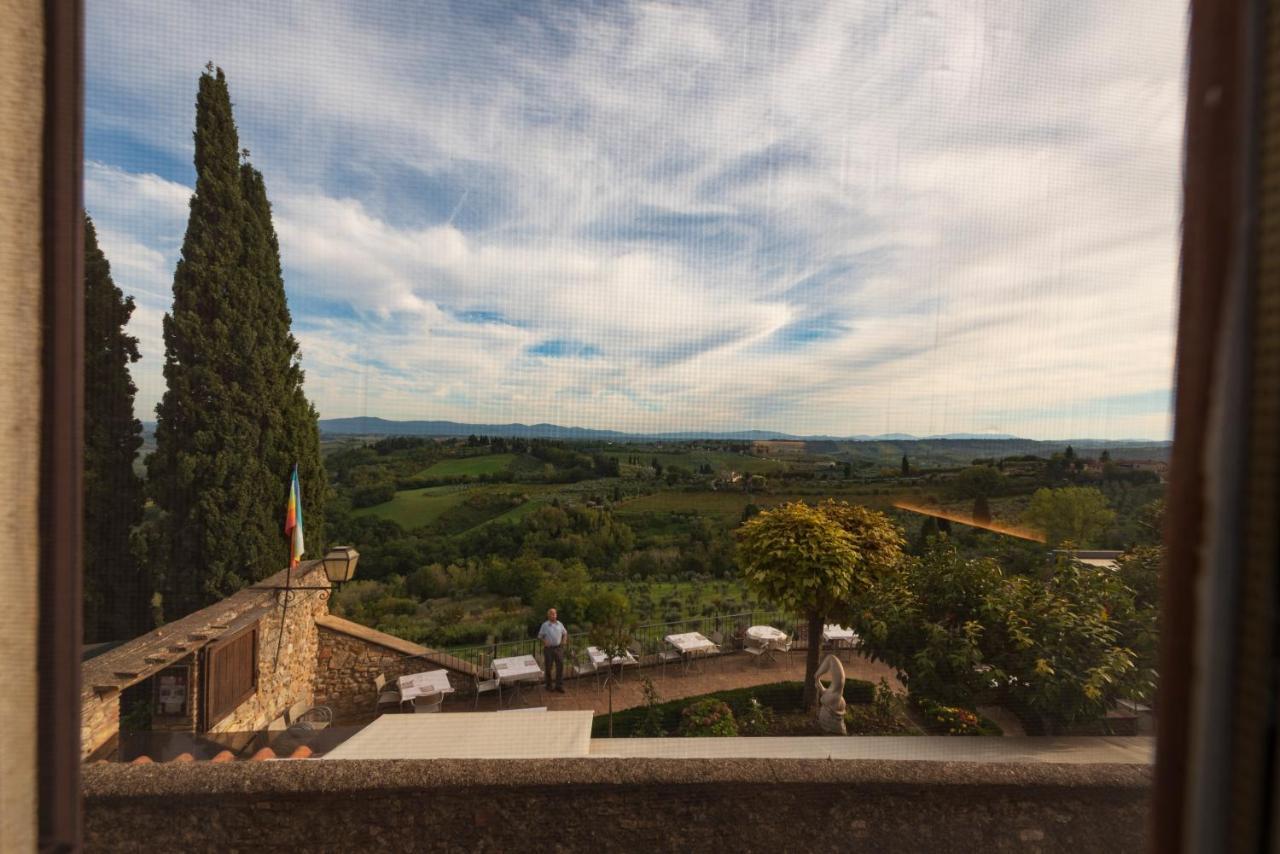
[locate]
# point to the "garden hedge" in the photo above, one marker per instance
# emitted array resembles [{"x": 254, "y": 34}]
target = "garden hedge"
[{"x": 780, "y": 696}]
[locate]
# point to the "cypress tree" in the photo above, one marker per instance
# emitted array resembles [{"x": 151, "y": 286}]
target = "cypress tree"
[
  {"x": 289, "y": 423},
  {"x": 221, "y": 504},
  {"x": 116, "y": 588}
]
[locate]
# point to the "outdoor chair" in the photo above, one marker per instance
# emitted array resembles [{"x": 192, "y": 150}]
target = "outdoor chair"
[
  {"x": 305, "y": 716},
  {"x": 486, "y": 681},
  {"x": 717, "y": 638},
  {"x": 784, "y": 647},
  {"x": 388, "y": 697},
  {"x": 666, "y": 656},
  {"x": 755, "y": 649},
  {"x": 428, "y": 703},
  {"x": 586, "y": 667}
]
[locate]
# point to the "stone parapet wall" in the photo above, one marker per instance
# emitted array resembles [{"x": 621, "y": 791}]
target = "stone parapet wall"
[
  {"x": 621, "y": 805},
  {"x": 350, "y": 657}
]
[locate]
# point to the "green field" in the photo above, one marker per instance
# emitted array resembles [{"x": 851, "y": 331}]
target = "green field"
[
  {"x": 469, "y": 466},
  {"x": 413, "y": 508}
]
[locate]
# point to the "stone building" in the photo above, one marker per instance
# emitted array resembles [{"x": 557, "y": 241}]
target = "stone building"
[{"x": 235, "y": 668}]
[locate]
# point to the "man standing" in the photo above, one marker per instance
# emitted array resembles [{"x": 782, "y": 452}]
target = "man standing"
[{"x": 554, "y": 635}]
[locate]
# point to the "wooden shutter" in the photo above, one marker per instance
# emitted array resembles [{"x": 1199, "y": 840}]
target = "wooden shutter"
[{"x": 230, "y": 675}]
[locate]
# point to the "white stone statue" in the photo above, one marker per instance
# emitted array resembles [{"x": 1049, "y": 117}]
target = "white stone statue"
[{"x": 831, "y": 703}]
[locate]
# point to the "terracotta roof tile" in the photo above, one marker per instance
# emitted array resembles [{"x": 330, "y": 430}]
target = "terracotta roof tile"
[
  {"x": 144, "y": 759},
  {"x": 183, "y": 757},
  {"x": 302, "y": 752},
  {"x": 264, "y": 753},
  {"x": 224, "y": 756}
]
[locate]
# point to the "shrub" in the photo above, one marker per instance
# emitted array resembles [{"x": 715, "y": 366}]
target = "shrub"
[
  {"x": 651, "y": 724},
  {"x": 707, "y": 718},
  {"x": 781, "y": 697},
  {"x": 757, "y": 719},
  {"x": 949, "y": 720}
]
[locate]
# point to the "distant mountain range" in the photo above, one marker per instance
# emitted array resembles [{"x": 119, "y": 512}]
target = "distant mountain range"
[{"x": 370, "y": 426}]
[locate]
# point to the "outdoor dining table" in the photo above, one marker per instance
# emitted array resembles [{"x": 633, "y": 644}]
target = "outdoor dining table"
[
  {"x": 423, "y": 684},
  {"x": 768, "y": 637},
  {"x": 600, "y": 658},
  {"x": 517, "y": 670},
  {"x": 839, "y": 636},
  {"x": 691, "y": 644}
]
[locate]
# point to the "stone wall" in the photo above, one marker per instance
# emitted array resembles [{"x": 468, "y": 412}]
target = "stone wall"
[
  {"x": 351, "y": 656},
  {"x": 622, "y": 805},
  {"x": 286, "y": 666}
]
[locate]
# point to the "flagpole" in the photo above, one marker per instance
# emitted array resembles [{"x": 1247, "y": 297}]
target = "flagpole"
[{"x": 288, "y": 578}]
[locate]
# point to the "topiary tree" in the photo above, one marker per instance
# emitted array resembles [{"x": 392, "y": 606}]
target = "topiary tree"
[{"x": 814, "y": 561}]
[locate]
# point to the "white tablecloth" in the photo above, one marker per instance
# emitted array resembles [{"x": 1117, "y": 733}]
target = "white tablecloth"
[
  {"x": 517, "y": 668},
  {"x": 422, "y": 684},
  {"x": 766, "y": 635},
  {"x": 690, "y": 642},
  {"x": 599, "y": 658},
  {"x": 838, "y": 633}
]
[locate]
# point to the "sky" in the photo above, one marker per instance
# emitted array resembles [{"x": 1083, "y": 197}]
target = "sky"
[{"x": 831, "y": 218}]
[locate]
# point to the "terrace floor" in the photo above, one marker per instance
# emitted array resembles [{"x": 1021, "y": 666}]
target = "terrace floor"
[{"x": 719, "y": 673}]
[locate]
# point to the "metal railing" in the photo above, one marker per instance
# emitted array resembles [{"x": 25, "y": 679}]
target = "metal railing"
[{"x": 729, "y": 630}]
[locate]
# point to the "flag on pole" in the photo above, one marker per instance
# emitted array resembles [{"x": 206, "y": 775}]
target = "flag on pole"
[{"x": 293, "y": 520}]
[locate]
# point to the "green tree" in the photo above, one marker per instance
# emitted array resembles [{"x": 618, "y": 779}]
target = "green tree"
[
  {"x": 213, "y": 476},
  {"x": 925, "y": 621},
  {"x": 1062, "y": 640},
  {"x": 117, "y": 589},
  {"x": 961, "y": 631},
  {"x": 289, "y": 425},
  {"x": 814, "y": 561},
  {"x": 906, "y": 465},
  {"x": 1074, "y": 514},
  {"x": 978, "y": 482}
]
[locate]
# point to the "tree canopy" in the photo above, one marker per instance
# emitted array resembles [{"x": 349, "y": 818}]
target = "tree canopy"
[
  {"x": 117, "y": 588},
  {"x": 814, "y": 561},
  {"x": 1074, "y": 514},
  {"x": 233, "y": 420},
  {"x": 1058, "y": 649}
]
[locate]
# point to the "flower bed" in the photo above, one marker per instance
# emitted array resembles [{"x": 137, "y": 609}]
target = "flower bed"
[{"x": 952, "y": 720}]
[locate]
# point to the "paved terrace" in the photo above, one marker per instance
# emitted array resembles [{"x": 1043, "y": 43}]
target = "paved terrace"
[{"x": 715, "y": 673}]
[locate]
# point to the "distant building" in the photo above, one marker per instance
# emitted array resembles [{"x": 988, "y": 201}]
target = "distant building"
[
  {"x": 1100, "y": 558},
  {"x": 778, "y": 448}
]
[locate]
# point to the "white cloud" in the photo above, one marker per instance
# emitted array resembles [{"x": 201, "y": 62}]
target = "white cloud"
[{"x": 964, "y": 214}]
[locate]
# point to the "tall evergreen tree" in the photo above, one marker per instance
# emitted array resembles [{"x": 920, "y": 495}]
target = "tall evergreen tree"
[
  {"x": 221, "y": 501},
  {"x": 117, "y": 590},
  {"x": 290, "y": 428}
]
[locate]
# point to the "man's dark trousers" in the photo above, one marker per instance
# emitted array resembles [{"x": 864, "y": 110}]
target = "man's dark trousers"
[{"x": 555, "y": 655}]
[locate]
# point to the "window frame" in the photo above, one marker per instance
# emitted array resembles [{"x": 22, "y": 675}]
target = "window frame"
[{"x": 1218, "y": 135}]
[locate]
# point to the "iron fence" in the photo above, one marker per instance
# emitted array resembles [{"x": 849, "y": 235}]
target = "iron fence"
[{"x": 728, "y": 631}]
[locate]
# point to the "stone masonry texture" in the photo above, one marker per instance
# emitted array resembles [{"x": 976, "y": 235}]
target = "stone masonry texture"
[{"x": 618, "y": 805}]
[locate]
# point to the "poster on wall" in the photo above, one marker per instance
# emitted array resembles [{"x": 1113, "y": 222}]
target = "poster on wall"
[{"x": 171, "y": 691}]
